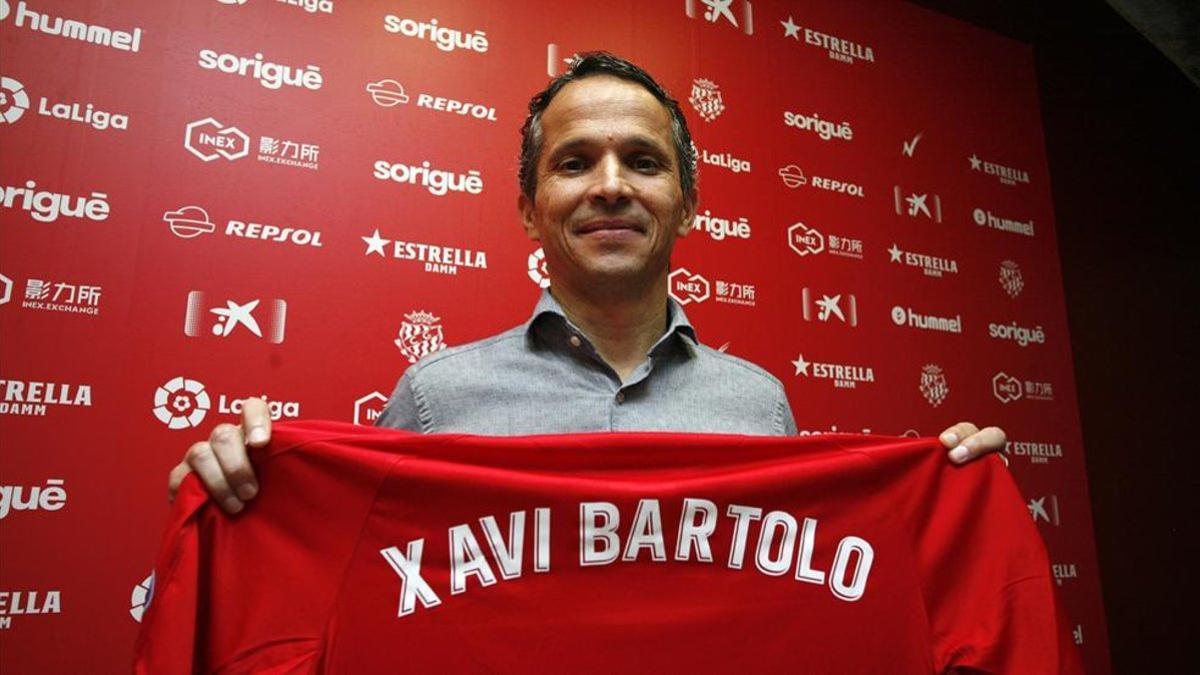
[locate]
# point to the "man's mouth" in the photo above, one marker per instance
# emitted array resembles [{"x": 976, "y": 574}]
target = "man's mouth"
[{"x": 609, "y": 225}]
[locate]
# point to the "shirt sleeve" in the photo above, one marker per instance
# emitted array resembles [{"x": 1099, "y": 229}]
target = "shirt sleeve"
[
  {"x": 402, "y": 410},
  {"x": 985, "y": 574},
  {"x": 787, "y": 421}
]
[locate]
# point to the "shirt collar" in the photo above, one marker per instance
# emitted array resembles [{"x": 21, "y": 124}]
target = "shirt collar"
[{"x": 547, "y": 306}]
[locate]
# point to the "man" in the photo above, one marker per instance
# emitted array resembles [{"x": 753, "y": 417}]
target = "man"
[{"x": 607, "y": 184}]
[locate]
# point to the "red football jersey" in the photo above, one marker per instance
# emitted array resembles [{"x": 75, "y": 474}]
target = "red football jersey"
[{"x": 371, "y": 550}]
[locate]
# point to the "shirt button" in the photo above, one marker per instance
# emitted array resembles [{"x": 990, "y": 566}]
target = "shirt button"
[
  {"x": 575, "y": 341},
  {"x": 620, "y": 397}
]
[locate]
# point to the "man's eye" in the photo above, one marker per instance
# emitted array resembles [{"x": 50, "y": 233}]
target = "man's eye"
[
  {"x": 572, "y": 164},
  {"x": 646, "y": 164}
]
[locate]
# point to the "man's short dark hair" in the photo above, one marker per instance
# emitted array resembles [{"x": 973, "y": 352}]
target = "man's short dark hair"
[{"x": 602, "y": 63}]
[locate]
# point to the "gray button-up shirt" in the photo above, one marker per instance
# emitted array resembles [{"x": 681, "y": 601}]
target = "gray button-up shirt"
[{"x": 545, "y": 377}]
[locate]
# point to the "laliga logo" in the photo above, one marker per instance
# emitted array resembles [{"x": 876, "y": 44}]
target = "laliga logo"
[
  {"x": 538, "y": 273},
  {"x": 208, "y": 140},
  {"x": 13, "y": 99},
  {"x": 1006, "y": 387},
  {"x": 181, "y": 403},
  {"x": 686, "y": 287},
  {"x": 140, "y": 598}
]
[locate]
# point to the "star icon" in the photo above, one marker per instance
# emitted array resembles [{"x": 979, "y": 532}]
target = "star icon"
[
  {"x": 976, "y": 163},
  {"x": 829, "y": 305},
  {"x": 801, "y": 365},
  {"x": 1037, "y": 509},
  {"x": 375, "y": 244},
  {"x": 790, "y": 29},
  {"x": 895, "y": 252}
]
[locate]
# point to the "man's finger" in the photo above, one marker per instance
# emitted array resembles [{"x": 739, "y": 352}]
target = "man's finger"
[
  {"x": 175, "y": 479},
  {"x": 201, "y": 459},
  {"x": 228, "y": 446},
  {"x": 978, "y": 444},
  {"x": 953, "y": 438},
  {"x": 256, "y": 421}
]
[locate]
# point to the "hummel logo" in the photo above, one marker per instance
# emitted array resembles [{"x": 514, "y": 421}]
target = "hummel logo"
[{"x": 911, "y": 146}]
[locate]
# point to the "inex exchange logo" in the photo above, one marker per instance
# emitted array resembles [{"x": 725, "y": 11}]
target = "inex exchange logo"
[
  {"x": 181, "y": 403},
  {"x": 687, "y": 288},
  {"x": 1007, "y": 389},
  {"x": 13, "y": 100},
  {"x": 210, "y": 140},
  {"x": 368, "y": 408},
  {"x": 805, "y": 241}
]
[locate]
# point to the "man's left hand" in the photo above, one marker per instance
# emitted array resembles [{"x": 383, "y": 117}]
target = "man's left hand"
[{"x": 965, "y": 441}]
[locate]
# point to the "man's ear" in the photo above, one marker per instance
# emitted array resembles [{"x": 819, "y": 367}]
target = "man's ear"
[
  {"x": 689, "y": 214},
  {"x": 526, "y": 208}
]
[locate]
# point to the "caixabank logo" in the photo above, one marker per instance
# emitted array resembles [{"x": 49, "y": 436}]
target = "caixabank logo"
[{"x": 736, "y": 13}]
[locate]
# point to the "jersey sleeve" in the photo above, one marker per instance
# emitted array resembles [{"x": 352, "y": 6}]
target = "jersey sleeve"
[
  {"x": 985, "y": 574},
  {"x": 252, "y": 592}
]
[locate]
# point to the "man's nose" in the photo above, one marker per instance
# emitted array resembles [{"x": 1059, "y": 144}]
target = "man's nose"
[{"x": 611, "y": 184}]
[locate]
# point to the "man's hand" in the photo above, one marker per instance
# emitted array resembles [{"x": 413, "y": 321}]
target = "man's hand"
[
  {"x": 221, "y": 462},
  {"x": 965, "y": 441}
]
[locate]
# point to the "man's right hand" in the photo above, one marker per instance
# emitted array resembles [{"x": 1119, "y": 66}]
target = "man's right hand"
[{"x": 221, "y": 462}]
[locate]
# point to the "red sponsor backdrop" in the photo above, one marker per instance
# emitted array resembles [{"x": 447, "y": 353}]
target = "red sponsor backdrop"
[{"x": 338, "y": 181}]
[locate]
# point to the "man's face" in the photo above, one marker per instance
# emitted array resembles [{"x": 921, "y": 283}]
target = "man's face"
[{"x": 608, "y": 204}]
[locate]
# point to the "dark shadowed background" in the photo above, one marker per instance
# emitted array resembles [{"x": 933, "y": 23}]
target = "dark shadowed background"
[{"x": 1123, "y": 135}]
